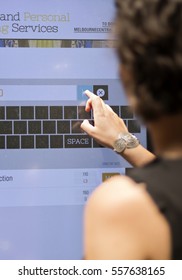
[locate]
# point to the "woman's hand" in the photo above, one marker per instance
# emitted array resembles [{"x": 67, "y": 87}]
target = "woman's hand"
[{"x": 107, "y": 125}]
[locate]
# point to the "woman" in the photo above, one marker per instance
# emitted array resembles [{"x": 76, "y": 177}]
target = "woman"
[{"x": 141, "y": 217}]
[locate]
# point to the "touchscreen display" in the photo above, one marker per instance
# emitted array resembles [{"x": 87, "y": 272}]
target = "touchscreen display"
[{"x": 51, "y": 52}]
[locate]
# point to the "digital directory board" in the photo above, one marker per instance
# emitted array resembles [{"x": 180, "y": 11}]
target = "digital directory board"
[{"x": 51, "y": 52}]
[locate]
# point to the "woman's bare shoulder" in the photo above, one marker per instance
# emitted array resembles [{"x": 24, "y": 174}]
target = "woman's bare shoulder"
[{"x": 123, "y": 222}]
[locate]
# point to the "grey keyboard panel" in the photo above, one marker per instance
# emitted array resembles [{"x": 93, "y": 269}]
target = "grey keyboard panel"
[{"x": 52, "y": 127}]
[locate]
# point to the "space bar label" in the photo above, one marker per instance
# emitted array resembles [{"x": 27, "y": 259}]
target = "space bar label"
[{"x": 77, "y": 141}]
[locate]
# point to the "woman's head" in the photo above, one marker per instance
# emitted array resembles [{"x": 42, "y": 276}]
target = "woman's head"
[{"x": 149, "y": 35}]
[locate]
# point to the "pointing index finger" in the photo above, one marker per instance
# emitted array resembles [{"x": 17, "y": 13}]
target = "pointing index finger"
[
  {"x": 95, "y": 102},
  {"x": 89, "y": 94}
]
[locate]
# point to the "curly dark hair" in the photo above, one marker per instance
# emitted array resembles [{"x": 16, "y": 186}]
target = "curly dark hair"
[{"x": 149, "y": 36}]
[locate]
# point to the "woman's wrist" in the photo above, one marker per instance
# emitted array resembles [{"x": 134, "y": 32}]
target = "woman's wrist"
[{"x": 138, "y": 156}]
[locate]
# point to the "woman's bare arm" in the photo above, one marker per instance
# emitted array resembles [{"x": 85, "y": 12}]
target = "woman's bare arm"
[{"x": 138, "y": 156}]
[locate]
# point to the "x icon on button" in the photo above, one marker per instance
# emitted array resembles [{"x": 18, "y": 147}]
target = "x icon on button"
[{"x": 100, "y": 92}]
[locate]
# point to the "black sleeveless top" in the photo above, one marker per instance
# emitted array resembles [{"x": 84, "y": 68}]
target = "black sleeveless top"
[{"x": 163, "y": 179}]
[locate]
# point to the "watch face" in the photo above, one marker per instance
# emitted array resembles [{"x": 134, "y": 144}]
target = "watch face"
[
  {"x": 120, "y": 145},
  {"x": 131, "y": 141},
  {"x": 127, "y": 140}
]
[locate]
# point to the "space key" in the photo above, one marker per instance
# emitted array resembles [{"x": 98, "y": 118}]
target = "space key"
[{"x": 77, "y": 141}]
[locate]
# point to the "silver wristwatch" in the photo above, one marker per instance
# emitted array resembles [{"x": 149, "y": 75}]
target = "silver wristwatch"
[{"x": 125, "y": 141}]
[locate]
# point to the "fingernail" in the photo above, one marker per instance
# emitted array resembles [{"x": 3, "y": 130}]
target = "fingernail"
[{"x": 86, "y": 91}]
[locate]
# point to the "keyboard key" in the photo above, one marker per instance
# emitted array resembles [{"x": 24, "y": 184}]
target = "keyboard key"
[
  {"x": 63, "y": 127},
  {"x": 115, "y": 109},
  {"x": 2, "y": 142},
  {"x": 134, "y": 126},
  {"x": 75, "y": 127},
  {"x": 12, "y": 113},
  {"x": 13, "y": 142},
  {"x": 27, "y": 112},
  {"x": 20, "y": 127},
  {"x": 27, "y": 142},
  {"x": 42, "y": 142},
  {"x": 49, "y": 127},
  {"x": 70, "y": 112},
  {"x": 77, "y": 141},
  {"x": 34, "y": 127},
  {"x": 126, "y": 112},
  {"x": 2, "y": 113},
  {"x": 56, "y": 141},
  {"x": 56, "y": 112},
  {"x": 41, "y": 112},
  {"x": 6, "y": 127},
  {"x": 82, "y": 114},
  {"x": 97, "y": 145}
]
